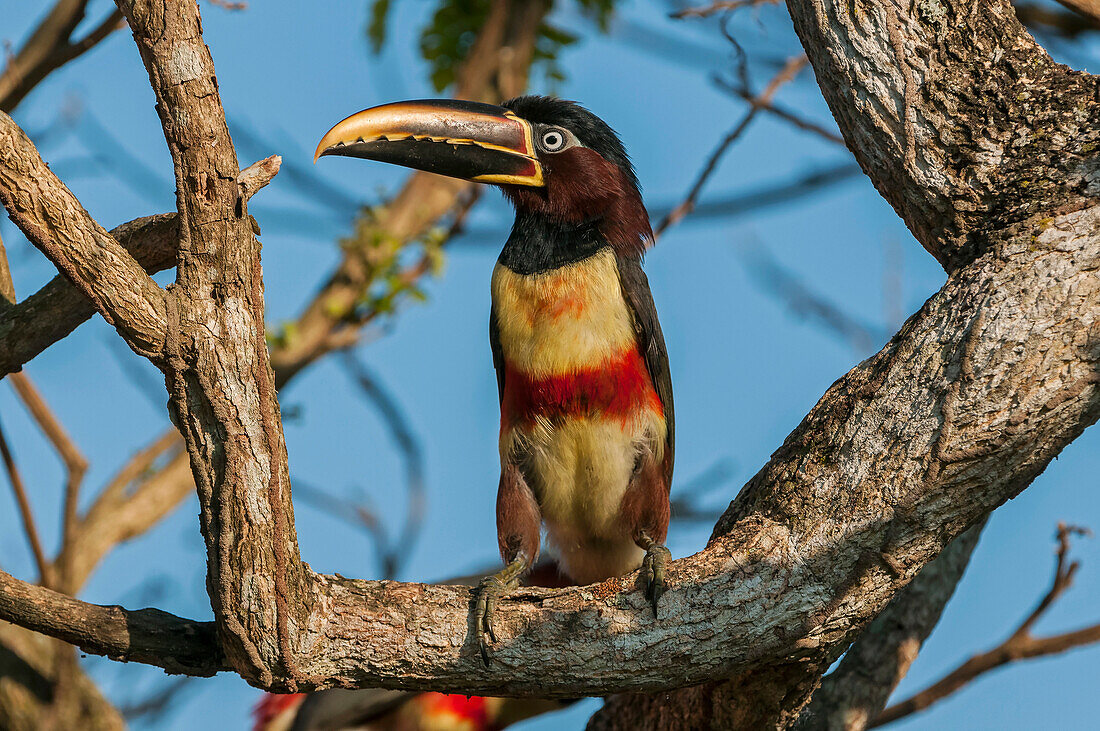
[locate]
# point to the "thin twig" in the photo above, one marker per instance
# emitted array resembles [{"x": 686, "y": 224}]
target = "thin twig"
[
  {"x": 353, "y": 512},
  {"x": 75, "y": 463},
  {"x": 726, "y": 6},
  {"x": 1020, "y": 645},
  {"x": 353, "y": 332},
  {"x": 409, "y": 445},
  {"x": 7, "y": 287},
  {"x": 157, "y": 703},
  {"x": 804, "y": 301},
  {"x": 29, "y": 527},
  {"x": 228, "y": 4},
  {"x": 779, "y": 111},
  {"x": 685, "y": 504},
  {"x": 787, "y": 73},
  {"x": 106, "y": 27}
]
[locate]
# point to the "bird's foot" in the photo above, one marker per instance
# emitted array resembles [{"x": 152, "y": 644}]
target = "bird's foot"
[
  {"x": 654, "y": 565},
  {"x": 489, "y": 592}
]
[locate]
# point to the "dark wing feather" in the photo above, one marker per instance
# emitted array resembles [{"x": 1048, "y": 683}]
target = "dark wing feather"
[
  {"x": 498, "y": 354},
  {"x": 651, "y": 342}
]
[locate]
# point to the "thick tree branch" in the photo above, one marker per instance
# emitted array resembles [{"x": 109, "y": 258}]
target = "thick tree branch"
[
  {"x": 51, "y": 313},
  {"x": 224, "y": 385},
  {"x": 47, "y": 316},
  {"x": 54, "y": 221},
  {"x": 145, "y": 635},
  {"x": 948, "y": 113},
  {"x": 857, "y": 691}
]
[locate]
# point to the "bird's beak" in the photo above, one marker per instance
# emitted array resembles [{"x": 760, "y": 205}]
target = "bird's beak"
[{"x": 468, "y": 140}]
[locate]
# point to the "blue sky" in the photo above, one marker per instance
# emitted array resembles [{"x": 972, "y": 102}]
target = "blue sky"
[{"x": 746, "y": 367}]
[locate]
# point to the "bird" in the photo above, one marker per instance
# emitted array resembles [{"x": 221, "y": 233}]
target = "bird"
[
  {"x": 585, "y": 392},
  {"x": 369, "y": 709}
]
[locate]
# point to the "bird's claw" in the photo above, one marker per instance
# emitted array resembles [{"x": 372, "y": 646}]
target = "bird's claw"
[
  {"x": 654, "y": 566},
  {"x": 489, "y": 592}
]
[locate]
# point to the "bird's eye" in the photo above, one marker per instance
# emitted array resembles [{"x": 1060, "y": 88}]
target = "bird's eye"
[{"x": 553, "y": 140}]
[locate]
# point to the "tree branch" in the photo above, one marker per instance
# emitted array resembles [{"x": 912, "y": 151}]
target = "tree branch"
[
  {"x": 75, "y": 467},
  {"x": 854, "y": 693},
  {"x": 49, "y": 48},
  {"x": 54, "y": 221},
  {"x": 932, "y": 106},
  {"x": 30, "y": 528},
  {"x": 1020, "y": 645},
  {"x": 756, "y": 103},
  {"x": 145, "y": 635}
]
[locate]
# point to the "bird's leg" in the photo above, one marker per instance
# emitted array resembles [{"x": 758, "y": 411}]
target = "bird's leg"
[
  {"x": 489, "y": 592},
  {"x": 654, "y": 565}
]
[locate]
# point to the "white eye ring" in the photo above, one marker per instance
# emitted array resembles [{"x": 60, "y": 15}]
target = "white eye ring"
[{"x": 553, "y": 140}]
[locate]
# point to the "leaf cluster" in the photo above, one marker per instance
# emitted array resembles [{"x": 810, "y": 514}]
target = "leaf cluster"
[{"x": 446, "y": 39}]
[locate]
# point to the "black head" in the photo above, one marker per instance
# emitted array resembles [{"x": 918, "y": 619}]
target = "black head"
[
  {"x": 590, "y": 130},
  {"x": 589, "y": 179}
]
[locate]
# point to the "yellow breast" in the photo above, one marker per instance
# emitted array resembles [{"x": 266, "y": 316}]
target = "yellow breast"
[{"x": 564, "y": 320}]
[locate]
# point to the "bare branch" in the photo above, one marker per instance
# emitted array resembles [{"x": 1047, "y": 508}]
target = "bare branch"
[
  {"x": 856, "y": 692},
  {"x": 789, "y": 289},
  {"x": 1020, "y": 645},
  {"x": 25, "y": 511},
  {"x": 144, "y": 635},
  {"x": 75, "y": 467},
  {"x": 685, "y": 207},
  {"x": 781, "y": 112},
  {"x": 49, "y": 47},
  {"x": 228, "y": 4},
  {"x": 54, "y": 221},
  {"x": 257, "y": 175},
  {"x": 157, "y": 703},
  {"x": 725, "y": 6},
  {"x": 118, "y": 514},
  {"x": 1088, "y": 8}
]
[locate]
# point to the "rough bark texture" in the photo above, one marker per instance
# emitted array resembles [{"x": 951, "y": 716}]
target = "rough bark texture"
[
  {"x": 50, "y": 314},
  {"x": 54, "y": 221},
  {"x": 958, "y": 413},
  {"x": 962, "y": 122},
  {"x": 855, "y": 693},
  {"x": 221, "y": 386},
  {"x": 146, "y": 635}
]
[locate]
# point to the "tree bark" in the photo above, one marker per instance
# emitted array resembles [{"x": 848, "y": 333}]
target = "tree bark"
[{"x": 855, "y": 693}]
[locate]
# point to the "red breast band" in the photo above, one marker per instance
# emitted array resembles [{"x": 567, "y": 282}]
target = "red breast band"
[{"x": 616, "y": 388}]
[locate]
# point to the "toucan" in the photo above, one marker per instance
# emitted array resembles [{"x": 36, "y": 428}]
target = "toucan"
[{"x": 586, "y": 415}]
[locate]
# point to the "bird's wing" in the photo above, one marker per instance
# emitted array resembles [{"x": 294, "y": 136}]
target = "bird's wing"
[
  {"x": 498, "y": 354},
  {"x": 651, "y": 342}
]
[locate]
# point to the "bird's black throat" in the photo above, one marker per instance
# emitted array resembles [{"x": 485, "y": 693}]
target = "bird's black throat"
[{"x": 539, "y": 243}]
